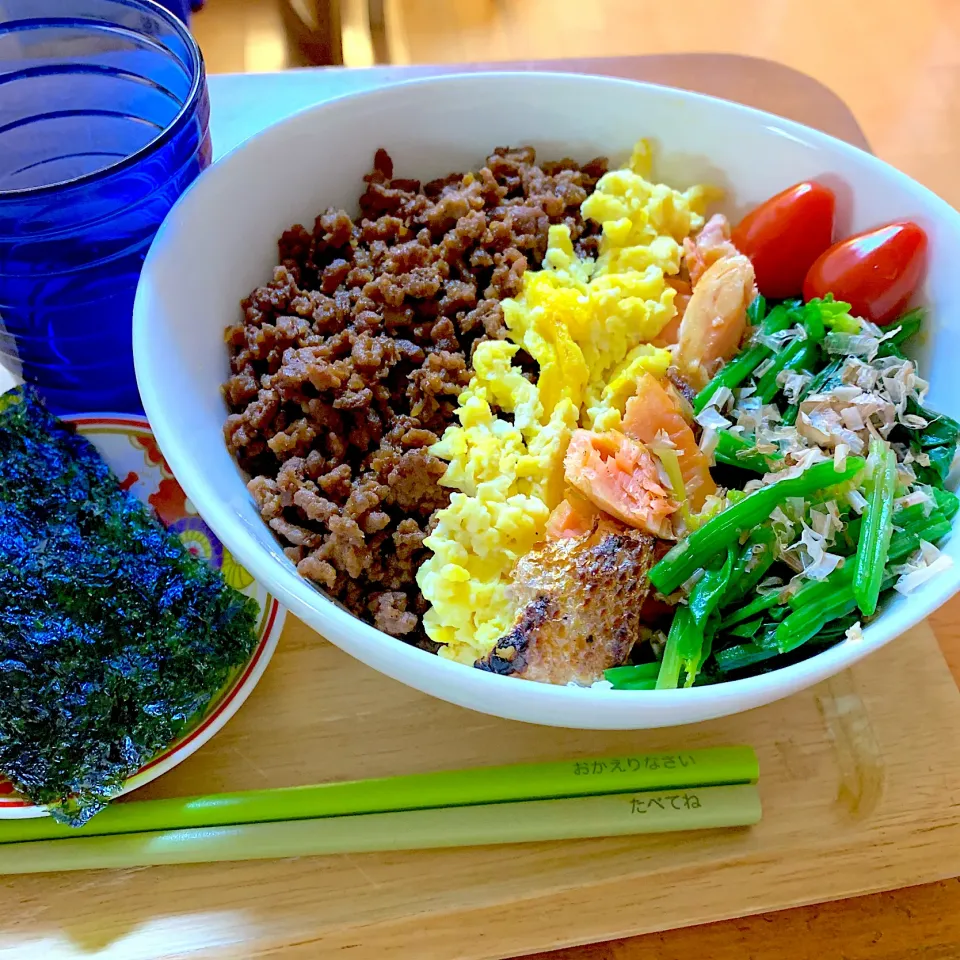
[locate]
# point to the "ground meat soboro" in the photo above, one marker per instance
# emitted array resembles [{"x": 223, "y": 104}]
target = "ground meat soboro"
[{"x": 347, "y": 366}]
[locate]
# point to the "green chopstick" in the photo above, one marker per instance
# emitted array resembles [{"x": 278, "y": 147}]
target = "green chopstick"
[
  {"x": 456, "y": 788},
  {"x": 696, "y": 808}
]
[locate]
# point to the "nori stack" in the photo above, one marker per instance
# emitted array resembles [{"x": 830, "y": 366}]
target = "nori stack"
[{"x": 112, "y": 635}]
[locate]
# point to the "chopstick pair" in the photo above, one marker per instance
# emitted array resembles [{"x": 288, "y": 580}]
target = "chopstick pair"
[{"x": 611, "y": 796}]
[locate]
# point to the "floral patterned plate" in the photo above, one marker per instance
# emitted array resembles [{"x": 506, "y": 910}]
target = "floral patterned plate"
[{"x": 127, "y": 445}]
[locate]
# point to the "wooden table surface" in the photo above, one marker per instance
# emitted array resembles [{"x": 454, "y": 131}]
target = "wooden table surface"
[{"x": 898, "y": 67}]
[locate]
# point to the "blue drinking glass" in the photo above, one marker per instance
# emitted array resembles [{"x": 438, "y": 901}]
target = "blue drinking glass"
[{"x": 104, "y": 122}]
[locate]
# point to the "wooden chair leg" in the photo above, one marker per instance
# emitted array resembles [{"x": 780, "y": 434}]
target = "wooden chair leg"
[
  {"x": 376, "y": 13},
  {"x": 315, "y": 29}
]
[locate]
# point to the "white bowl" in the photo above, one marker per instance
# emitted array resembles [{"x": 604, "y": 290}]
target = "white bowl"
[{"x": 219, "y": 242}]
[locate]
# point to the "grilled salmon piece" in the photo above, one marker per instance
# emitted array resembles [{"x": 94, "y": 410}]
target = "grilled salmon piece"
[
  {"x": 579, "y": 604},
  {"x": 619, "y": 475},
  {"x": 711, "y": 244},
  {"x": 671, "y": 332},
  {"x": 572, "y": 517},
  {"x": 715, "y": 319},
  {"x": 652, "y": 411}
]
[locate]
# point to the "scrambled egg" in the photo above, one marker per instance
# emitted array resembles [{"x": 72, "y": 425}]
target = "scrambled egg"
[
  {"x": 587, "y": 324},
  {"x": 510, "y": 476}
]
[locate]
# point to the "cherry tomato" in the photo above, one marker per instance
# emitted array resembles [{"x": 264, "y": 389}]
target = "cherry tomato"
[
  {"x": 876, "y": 272},
  {"x": 784, "y": 235}
]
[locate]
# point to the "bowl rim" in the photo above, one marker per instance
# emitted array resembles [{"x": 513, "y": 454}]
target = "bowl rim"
[{"x": 366, "y": 643}]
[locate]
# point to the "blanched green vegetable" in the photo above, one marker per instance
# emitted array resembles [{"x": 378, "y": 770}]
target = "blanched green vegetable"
[
  {"x": 712, "y": 587},
  {"x": 829, "y": 314},
  {"x": 720, "y": 531},
  {"x": 877, "y": 529},
  {"x": 913, "y": 527},
  {"x": 751, "y": 634},
  {"x": 689, "y": 644},
  {"x": 743, "y": 655},
  {"x": 684, "y": 634},
  {"x": 746, "y": 630},
  {"x": 757, "y": 605},
  {"x": 757, "y": 310},
  {"x": 755, "y": 559},
  {"x": 813, "y": 322},
  {"x": 941, "y": 430},
  {"x": 804, "y": 624},
  {"x": 816, "y": 385},
  {"x": 640, "y": 676},
  {"x": 909, "y": 324},
  {"x": 798, "y": 355},
  {"x": 734, "y": 451},
  {"x": 948, "y": 502},
  {"x": 941, "y": 460}
]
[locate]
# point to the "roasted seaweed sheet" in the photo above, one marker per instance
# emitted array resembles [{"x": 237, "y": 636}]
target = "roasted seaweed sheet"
[{"x": 112, "y": 636}]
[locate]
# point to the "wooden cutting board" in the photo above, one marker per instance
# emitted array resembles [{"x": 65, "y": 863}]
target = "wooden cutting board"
[{"x": 860, "y": 781}]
